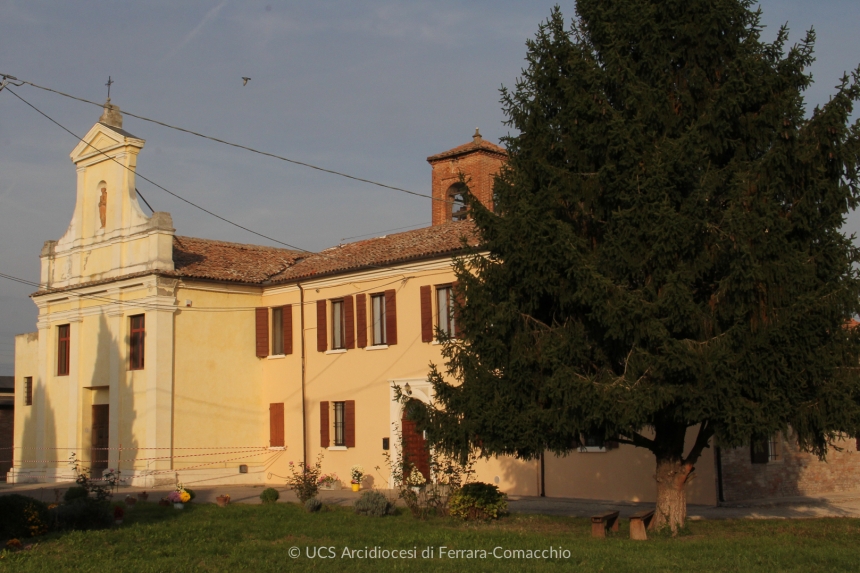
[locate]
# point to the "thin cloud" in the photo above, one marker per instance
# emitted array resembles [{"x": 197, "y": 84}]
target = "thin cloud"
[{"x": 210, "y": 15}]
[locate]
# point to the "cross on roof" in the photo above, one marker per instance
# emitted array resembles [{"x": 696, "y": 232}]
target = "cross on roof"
[{"x": 108, "y": 84}]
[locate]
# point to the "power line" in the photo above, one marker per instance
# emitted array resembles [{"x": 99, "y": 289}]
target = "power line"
[
  {"x": 424, "y": 224},
  {"x": 55, "y": 122},
  {"x": 237, "y": 145}
]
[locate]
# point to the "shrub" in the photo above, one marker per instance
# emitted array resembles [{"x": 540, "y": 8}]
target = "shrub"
[
  {"x": 75, "y": 492},
  {"x": 312, "y": 505},
  {"x": 83, "y": 514},
  {"x": 305, "y": 479},
  {"x": 478, "y": 501},
  {"x": 374, "y": 504},
  {"x": 22, "y": 516},
  {"x": 270, "y": 495}
]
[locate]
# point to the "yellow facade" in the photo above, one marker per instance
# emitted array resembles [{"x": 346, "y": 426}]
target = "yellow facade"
[{"x": 198, "y": 411}]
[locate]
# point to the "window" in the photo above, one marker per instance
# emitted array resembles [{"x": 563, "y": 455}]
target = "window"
[
  {"x": 764, "y": 450},
  {"x": 377, "y": 310},
  {"x": 456, "y": 202},
  {"x": 28, "y": 390},
  {"x": 592, "y": 443},
  {"x": 339, "y": 425},
  {"x": 136, "y": 342},
  {"x": 340, "y": 418},
  {"x": 338, "y": 328},
  {"x": 445, "y": 310},
  {"x": 277, "y": 331},
  {"x": 63, "y": 349}
]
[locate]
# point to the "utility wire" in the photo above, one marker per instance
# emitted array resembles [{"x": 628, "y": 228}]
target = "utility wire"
[
  {"x": 46, "y": 116},
  {"x": 151, "y": 306},
  {"x": 55, "y": 122},
  {"x": 238, "y": 145}
]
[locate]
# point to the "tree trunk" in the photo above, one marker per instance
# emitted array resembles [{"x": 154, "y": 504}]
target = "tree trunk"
[{"x": 672, "y": 477}]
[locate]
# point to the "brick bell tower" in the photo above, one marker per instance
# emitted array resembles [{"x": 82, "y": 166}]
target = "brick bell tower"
[{"x": 478, "y": 161}]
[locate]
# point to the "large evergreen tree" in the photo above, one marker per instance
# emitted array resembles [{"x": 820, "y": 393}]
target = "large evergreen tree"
[{"x": 665, "y": 253}]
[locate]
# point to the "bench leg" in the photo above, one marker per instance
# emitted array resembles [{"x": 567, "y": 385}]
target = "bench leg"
[
  {"x": 637, "y": 530},
  {"x": 598, "y": 530}
]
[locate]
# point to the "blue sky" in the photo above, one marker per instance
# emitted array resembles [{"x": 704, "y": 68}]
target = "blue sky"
[{"x": 370, "y": 88}]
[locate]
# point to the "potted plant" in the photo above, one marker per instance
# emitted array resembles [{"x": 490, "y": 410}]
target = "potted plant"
[
  {"x": 179, "y": 497},
  {"x": 328, "y": 481},
  {"x": 118, "y": 514},
  {"x": 223, "y": 500},
  {"x": 130, "y": 500},
  {"x": 357, "y": 473},
  {"x": 416, "y": 479},
  {"x": 143, "y": 496}
]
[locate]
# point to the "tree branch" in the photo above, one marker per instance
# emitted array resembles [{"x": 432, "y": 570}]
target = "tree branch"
[
  {"x": 706, "y": 431},
  {"x": 635, "y": 439}
]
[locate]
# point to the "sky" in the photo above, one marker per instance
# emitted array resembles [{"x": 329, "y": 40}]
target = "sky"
[{"x": 369, "y": 88}]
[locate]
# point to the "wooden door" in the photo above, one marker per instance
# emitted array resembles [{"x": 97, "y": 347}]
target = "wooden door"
[
  {"x": 100, "y": 439},
  {"x": 415, "y": 449}
]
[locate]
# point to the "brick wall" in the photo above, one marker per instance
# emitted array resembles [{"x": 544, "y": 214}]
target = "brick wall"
[
  {"x": 7, "y": 425},
  {"x": 796, "y": 474},
  {"x": 478, "y": 166}
]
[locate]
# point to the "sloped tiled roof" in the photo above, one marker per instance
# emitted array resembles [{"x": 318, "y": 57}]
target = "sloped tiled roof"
[
  {"x": 389, "y": 249},
  {"x": 479, "y": 145},
  {"x": 236, "y": 262},
  {"x": 206, "y": 259}
]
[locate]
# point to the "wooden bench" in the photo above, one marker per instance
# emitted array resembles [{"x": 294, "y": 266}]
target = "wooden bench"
[
  {"x": 639, "y": 524},
  {"x": 602, "y": 522}
]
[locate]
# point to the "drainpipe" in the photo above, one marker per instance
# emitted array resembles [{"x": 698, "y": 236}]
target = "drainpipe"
[{"x": 302, "y": 342}]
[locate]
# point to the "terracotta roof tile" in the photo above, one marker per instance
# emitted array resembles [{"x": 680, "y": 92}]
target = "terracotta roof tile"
[
  {"x": 389, "y": 249},
  {"x": 480, "y": 145},
  {"x": 219, "y": 260},
  {"x": 253, "y": 264}
]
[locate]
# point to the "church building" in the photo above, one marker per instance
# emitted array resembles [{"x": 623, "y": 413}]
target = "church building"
[{"x": 175, "y": 358}]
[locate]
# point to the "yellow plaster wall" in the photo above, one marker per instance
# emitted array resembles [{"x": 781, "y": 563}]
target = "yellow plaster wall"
[
  {"x": 218, "y": 389},
  {"x": 26, "y": 364}
]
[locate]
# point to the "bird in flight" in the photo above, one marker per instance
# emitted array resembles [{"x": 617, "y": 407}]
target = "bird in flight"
[{"x": 245, "y": 81}]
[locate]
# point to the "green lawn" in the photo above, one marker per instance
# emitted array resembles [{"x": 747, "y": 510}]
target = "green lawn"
[{"x": 259, "y": 538}]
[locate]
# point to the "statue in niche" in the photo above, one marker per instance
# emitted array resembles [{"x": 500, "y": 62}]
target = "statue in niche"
[{"x": 103, "y": 207}]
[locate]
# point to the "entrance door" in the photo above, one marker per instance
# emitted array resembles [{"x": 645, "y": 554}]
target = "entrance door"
[
  {"x": 415, "y": 449},
  {"x": 100, "y": 440}
]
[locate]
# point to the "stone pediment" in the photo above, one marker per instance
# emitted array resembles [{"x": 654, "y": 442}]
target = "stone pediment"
[{"x": 101, "y": 139}]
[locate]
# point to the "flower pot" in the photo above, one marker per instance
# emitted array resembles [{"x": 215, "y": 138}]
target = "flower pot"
[
  {"x": 130, "y": 501},
  {"x": 143, "y": 496},
  {"x": 356, "y": 486},
  {"x": 222, "y": 500},
  {"x": 178, "y": 505},
  {"x": 416, "y": 489}
]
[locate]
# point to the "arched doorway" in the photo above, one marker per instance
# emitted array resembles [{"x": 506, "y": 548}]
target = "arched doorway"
[{"x": 415, "y": 449}]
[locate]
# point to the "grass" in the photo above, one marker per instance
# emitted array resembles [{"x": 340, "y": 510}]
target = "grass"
[{"x": 260, "y": 537}]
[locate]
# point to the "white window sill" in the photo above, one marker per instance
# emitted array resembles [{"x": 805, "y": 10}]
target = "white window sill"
[
  {"x": 336, "y": 351},
  {"x": 337, "y": 448},
  {"x": 276, "y": 356},
  {"x": 377, "y": 347},
  {"x": 435, "y": 342},
  {"x": 277, "y": 448},
  {"x": 591, "y": 450}
]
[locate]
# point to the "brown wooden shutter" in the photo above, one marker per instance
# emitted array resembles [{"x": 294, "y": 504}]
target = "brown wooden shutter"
[
  {"x": 276, "y": 425},
  {"x": 324, "y": 425},
  {"x": 458, "y": 304},
  {"x": 391, "y": 317},
  {"x": 322, "y": 335},
  {"x": 349, "y": 319},
  {"x": 262, "y": 318},
  {"x": 426, "y": 314},
  {"x": 287, "y": 321},
  {"x": 361, "y": 319},
  {"x": 349, "y": 423}
]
